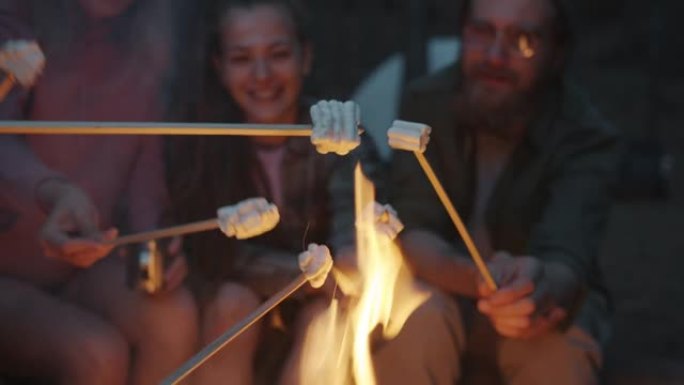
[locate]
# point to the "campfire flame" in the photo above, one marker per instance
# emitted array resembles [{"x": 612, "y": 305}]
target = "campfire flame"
[{"x": 338, "y": 344}]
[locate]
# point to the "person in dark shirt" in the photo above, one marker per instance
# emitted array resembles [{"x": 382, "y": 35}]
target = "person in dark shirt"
[{"x": 527, "y": 163}]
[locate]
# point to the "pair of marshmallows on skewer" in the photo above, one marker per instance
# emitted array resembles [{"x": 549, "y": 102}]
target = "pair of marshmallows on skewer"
[
  {"x": 256, "y": 216},
  {"x": 336, "y": 129}
]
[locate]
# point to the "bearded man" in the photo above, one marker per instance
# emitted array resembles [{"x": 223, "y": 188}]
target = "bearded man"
[{"x": 527, "y": 163}]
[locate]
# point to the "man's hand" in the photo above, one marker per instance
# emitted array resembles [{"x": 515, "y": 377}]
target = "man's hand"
[
  {"x": 531, "y": 298},
  {"x": 71, "y": 232}
]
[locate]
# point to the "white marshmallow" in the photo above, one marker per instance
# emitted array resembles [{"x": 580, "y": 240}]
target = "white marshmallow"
[
  {"x": 335, "y": 126},
  {"x": 249, "y": 218},
  {"x": 316, "y": 262},
  {"x": 383, "y": 218},
  {"x": 23, "y": 59},
  {"x": 408, "y": 136},
  {"x": 386, "y": 220}
]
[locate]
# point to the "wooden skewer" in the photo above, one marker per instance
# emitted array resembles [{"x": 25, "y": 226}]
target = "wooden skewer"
[
  {"x": 456, "y": 219},
  {"x": 138, "y": 128},
  {"x": 214, "y": 347},
  {"x": 169, "y": 232},
  {"x": 6, "y": 86}
]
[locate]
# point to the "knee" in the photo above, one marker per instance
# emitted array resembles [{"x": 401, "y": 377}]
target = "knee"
[
  {"x": 428, "y": 348},
  {"x": 572, "y": 356},
  {"x": 180, "y": 306},
  {"x": 95, "y": 356},
  {"x": 438, "y": 317},
  {"x": 231, "y": 303},
  {"x": 169, "y": 317}
]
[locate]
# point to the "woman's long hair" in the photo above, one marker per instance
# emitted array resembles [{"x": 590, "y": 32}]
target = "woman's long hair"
[{"x": 201, "y": 168}]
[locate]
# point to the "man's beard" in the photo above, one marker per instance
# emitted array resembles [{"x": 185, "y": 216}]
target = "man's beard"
[{"x": 495, "y": 112}]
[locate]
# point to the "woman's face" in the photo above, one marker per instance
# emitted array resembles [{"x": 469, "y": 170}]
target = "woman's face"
[{"x": 262, "y": 63}]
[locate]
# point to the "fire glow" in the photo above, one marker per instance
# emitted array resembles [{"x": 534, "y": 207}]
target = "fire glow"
[{"x": 338, "y": 347}]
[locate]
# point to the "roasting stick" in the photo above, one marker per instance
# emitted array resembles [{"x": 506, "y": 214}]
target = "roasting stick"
[
  {"x": 194, "y": 227},
  {"x": 248, "y": 218},
  {"x": 315, "y": 263},
  {"x": 414, "y": 137},
  {"x": 139, "y": 128},
  {"x": 456, "y": 219},
  {"x": 214, "y": 347}
]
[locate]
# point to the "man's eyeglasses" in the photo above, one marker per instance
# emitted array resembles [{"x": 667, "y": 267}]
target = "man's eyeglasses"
[{"x": 517, "y": 41}]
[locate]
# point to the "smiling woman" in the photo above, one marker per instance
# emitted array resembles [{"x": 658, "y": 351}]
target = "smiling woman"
[
  {"x": 262, "y": 62},
  {"x": 260, "y": 58}
]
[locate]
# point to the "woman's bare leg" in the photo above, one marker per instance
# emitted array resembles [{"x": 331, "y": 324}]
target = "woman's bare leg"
[
  {"x": 162, "y": 328},
  {"x": 46, "y": 337},
  {"x": 234, "y": 364}
]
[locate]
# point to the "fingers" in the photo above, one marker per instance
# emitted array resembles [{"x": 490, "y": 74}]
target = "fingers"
[
  {"x": 81, "y": 252},
  {"x": 52, "y": 236},
  {"x": 78, "y": 252},
  {"x": 509, "y": 295},
  {"x": 530, "y": 327},
  {"x": 523, "y": 308}
]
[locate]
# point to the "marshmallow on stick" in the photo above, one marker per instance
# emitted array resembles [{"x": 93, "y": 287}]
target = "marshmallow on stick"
[
  {"x": 247, "y": 219},
  {"x": 335, "y": 126},
  {"x": 385, "y": 219},
  {"x": 23, "y": 61},
  {"x": 315, "y": 263},
  {"x": 410, "y": 136}
]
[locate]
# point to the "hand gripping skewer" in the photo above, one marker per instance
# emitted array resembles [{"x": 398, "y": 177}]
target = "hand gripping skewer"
[
  {"x": 414, "y": 137},
  {"x": 315, "y": 264},
  {"x": 246, "y": 219}
]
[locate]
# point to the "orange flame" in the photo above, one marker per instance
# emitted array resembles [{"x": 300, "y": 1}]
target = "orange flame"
[{"x": 337, "y": 349}]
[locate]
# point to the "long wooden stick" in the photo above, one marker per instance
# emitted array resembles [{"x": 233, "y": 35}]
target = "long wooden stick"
[
  {"x": 215, "y": 346},
  {"x": 169, "y": 232},
  {"x": 456, "y": 219},
  {"x": 138, "y": 128}
]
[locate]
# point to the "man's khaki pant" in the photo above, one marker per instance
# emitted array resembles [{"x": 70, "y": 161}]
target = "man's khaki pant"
[{"x": 435, "y": 348}]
